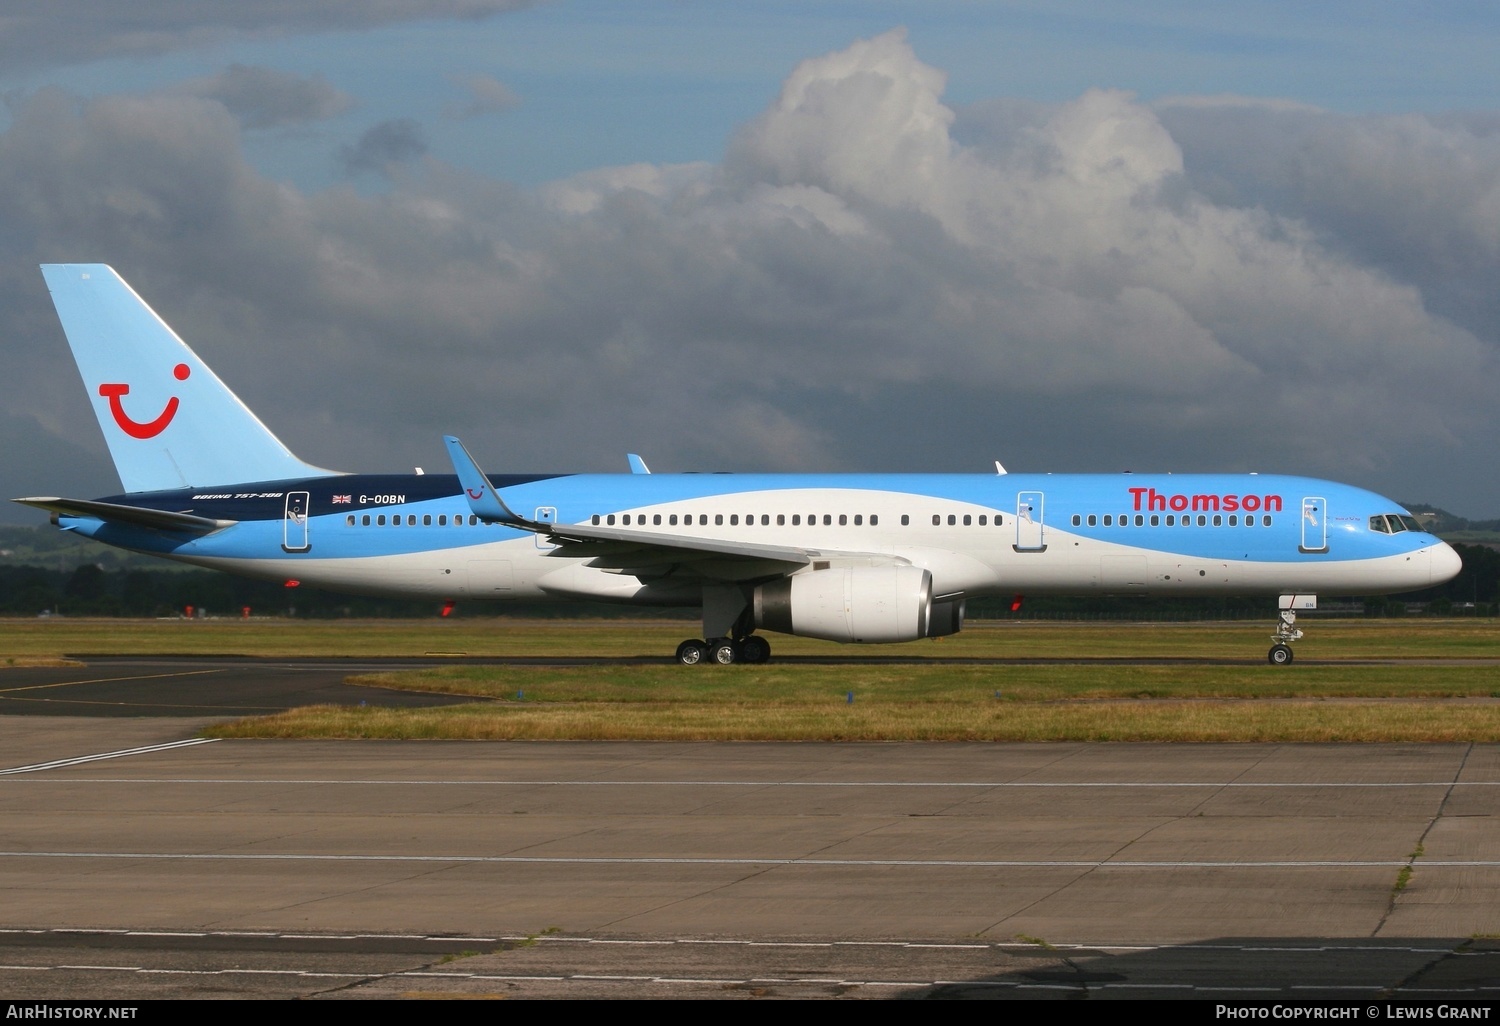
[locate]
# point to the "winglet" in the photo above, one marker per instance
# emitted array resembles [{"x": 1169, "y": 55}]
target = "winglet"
[
  {"x": 999, "y": 469},
  {"x": 637, "y": 465},
  {"x": 483, "y": 499}
]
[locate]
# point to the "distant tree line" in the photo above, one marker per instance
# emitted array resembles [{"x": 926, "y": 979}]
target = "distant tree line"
[{"x": 92, "y": 590}]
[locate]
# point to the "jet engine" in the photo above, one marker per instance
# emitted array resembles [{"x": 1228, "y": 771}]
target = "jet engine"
[{"x": 870, "y": 604}]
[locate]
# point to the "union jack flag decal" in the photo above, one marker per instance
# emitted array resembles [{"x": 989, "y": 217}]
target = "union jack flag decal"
[{"x": 342, "y": 500}]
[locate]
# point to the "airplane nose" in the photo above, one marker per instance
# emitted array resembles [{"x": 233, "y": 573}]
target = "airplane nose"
[{"x": 1445, "y": 563}]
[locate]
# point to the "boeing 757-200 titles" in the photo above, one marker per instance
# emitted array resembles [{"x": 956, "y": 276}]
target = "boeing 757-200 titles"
[{"x": 849, "y": 557}]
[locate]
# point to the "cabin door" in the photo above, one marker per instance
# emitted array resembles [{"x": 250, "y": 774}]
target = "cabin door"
[
  {"x": 1030, "y": 531},
  {"x": 1314, "y": 525},
  {"x": 294, "y": 523},
  {"x": 545, "y": 515}
]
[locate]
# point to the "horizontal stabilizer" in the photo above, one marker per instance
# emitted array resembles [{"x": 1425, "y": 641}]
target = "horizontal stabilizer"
[{"x": 135, "y": 516}]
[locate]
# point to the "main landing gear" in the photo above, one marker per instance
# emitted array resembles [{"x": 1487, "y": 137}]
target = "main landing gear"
[
  {"x": 751, "y": 649},
  {"x": 1286, "y": 633}
]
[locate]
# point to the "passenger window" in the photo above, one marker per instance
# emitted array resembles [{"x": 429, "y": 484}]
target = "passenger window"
[
  {"x": 858, "y": 520},
  {"x": 906, "y": 520},
  {"x": 426, "y": 519},
  {"x": 796, "y": 519},
  {"x": 827, "y": 520},
  {"x": 596, "y": 520},
  {"x": 952, "y": 520},
  {"x": 350, "y": 520},
  {"x": 968, "y": 520},
  {"x": 1218, "y": 520},
  {"x": 874, "y": 520},
  {"x": 1109, "y": 520},
  {"x": 936, "y": 520},
  {"x": 1202, "y": 520},
  {"x": 781, "y": 520},
  {"x": 1266, "y": 520},
  {"x": 610, "y": 520},
  {"x": 1140, "y": 521},
  {"x": 1171, "y": 520},
  {"x": 734, "y": 520},
  {"x": 1234, "y": 521},
  {"x": 442, "y": 520},
  {"x": 380, "y": 520},
  {"x": 843, "y": 520},
  {"x": 718, "y": 520},
  {"x": 1093, "y": 520},
  {"x": 1155, "y": 520},
  {"x": 672, "y": 520},
  {"x": 365, "y": 520}
]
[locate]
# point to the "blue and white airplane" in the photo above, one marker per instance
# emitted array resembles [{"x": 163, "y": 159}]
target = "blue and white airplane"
[{"x": 850, "y": 558}]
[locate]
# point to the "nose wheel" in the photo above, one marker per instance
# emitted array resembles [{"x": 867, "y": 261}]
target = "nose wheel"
[{"x": 1286, "y": 633}]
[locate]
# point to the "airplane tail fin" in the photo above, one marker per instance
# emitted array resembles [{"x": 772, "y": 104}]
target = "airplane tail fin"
[{"x": 168, "y": 420}]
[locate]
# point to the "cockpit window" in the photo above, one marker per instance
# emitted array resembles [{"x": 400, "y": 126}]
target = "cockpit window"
[{"x": 1394, "y": 523}]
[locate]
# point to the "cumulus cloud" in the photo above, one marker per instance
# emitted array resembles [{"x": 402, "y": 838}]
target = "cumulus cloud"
[
  {"x": 486, "y": 95},
  {"x": 74, "y": 31},
  {"x": 380, "y": 146},
  {"x": 266, "y": 98},
  {"x": 869, "y": 279}
]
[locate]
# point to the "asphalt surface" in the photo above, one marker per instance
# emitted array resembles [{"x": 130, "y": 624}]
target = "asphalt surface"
[
  {"x": 136, "y": 861},
  {"x": 195, "y": 687}
]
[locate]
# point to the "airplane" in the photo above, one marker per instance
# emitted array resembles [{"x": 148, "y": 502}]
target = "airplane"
[{"x": 857, "y": 558}]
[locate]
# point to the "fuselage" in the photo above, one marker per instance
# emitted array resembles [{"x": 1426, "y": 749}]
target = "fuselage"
[{"x": 977, "y": 535}]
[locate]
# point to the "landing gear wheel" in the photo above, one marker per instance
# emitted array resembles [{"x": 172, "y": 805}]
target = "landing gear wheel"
[
  {"x": 723, "y": 652},
  {"x": 1280, "y": 655},
  {"x": 755, "y": 649},
  {"x": 692, "y": 652}
]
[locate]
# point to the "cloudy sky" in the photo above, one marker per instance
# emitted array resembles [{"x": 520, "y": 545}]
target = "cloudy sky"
[{"x": 777, "y": 236}]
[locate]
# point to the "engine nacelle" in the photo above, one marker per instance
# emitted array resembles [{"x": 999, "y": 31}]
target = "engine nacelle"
[{"x": 870, "y": 604}]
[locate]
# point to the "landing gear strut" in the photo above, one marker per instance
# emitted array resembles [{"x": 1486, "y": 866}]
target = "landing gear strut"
[
  {"x": 1286, "y": 633},
  {"x": 729, "y": 625}
]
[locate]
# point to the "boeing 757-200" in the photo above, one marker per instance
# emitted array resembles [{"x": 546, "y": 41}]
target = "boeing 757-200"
[{"x": 845, "y": 557}]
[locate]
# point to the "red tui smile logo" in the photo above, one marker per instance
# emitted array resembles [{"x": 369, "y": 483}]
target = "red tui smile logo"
[{"x": 142, "y": 429}]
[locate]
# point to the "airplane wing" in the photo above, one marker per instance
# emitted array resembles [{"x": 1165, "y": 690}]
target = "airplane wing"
[
  {"x": 135, "y": 516},
  {"x": 646, "y": 554},
  {"x": 643, "y": 553}
]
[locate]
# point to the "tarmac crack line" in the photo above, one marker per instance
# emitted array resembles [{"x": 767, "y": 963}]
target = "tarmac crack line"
[
  {"x": 107, "y": 680},
  {"x": 1216, "y": 792},
  {"x": 1403, "y": 878}
]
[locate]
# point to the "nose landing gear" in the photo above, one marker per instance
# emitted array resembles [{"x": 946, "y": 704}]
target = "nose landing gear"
[{"x": 1286, "y": 633}]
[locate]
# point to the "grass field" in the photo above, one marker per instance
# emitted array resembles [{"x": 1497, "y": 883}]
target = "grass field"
[{"x": 998, "y": 681}]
